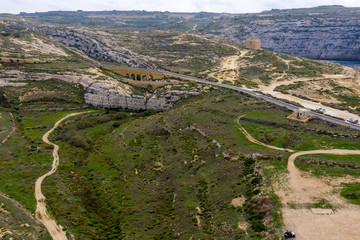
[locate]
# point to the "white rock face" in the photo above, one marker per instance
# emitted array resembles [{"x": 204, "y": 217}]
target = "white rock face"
[
  {"x": 105, "y": 93},
  {"x": 108, "y": 98},
  {"x": 319, "y": 38},
  {"x": 92, "y": 47}
]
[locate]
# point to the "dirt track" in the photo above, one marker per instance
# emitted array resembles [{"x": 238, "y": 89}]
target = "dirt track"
[
  {"x": 229, "y": 68},
  {"x": 41, "y": 214},
  {"x": 252, "y": 139},
  {"x": 303, "y": 189},
  {"x": 299, "y": 189},
  {"x": 270, "y": 89}
]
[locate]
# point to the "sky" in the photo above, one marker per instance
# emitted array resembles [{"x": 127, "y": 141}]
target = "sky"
[{"x": 231, "y": 6}]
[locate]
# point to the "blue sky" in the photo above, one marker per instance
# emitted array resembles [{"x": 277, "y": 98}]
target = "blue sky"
[{"x": 232, "y": 6}]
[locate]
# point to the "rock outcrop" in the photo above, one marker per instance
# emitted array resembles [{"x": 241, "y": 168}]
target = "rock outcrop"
[
  {"x": 101, "y": 97},
  {"x": 312, "y": 38},
  {"x": 93, "y": 47},
  {"x": 105, "y": 93},
  {"x": 326, "y": 32}
]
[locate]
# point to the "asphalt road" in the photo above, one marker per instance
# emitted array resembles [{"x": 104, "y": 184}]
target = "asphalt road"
[{"x": 252, "y": 93}]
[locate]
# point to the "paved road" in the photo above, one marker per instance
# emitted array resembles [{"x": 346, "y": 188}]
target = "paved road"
[{"x": 247, "y": 91}]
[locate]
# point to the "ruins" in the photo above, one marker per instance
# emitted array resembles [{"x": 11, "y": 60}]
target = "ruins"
[
  {"x": 301, "y": 115},
  {"x": 253, "y": 43}
]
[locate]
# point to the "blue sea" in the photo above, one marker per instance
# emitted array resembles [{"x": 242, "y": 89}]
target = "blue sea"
[{"x": 354, "y": 64}]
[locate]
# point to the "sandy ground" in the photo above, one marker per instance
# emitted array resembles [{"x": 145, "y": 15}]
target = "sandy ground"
[
  {"x": 339, "y": 78},
  {"x": 300, "y": 189},
  {"x": 229, "y": 68},
  {"x": 41, "y": 214},
  {"x": 306, "y": 103},
  {"x": 303, "y": 189},
  {"x": 313, "y": 106}
]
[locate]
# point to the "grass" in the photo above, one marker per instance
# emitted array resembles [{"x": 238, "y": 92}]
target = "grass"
[
  {"x": 16, "y": 218},
  {"x": 330, "y": 165},
  {"x": 147, "y": 181},
  {"x": 6, "y": 124},
  {"x": 321, "y": 203},
  {"x": 52, "y": 90},
  {"x": 285, "y": 133},
  {"x": 351, "y": 191},
  {"x": 25, "y": 157},
  {"x": 162, "y": 151}
]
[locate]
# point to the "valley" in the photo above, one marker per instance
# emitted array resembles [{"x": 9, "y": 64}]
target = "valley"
[{"x": 172, "y": 131}]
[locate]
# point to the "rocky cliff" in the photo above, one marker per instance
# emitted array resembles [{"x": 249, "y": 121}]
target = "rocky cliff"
[
  {"x": 103, "y": 97},
  {"x": 101, "y": 93},
  {"x": 93, "y": 47},
  {"x": 325, "y": 32},
  {"x": 312, "y": 38}
]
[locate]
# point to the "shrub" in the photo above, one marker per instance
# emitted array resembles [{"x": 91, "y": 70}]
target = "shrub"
[
  {"x": 116, "y": 124},
  {"x": 258, "y": 226}
]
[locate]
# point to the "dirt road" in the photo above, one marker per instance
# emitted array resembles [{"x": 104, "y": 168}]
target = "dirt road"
[
  {"x": 270, "y": 89},
  {"x": 303, "y": 190},
  {"x": 41, "y": 214},
  {"x": 229, "y": 68},
  {"x": 297, "y": 190}
]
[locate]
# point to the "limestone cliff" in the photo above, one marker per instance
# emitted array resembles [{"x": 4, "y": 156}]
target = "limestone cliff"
[
  {"x": 312, "y": 38},
  {"x": 92, "y": 46},
  {"x": 101, "y": 91},
  {"x": 325, "y": 32},
  {"x": 108, "y": 98}
]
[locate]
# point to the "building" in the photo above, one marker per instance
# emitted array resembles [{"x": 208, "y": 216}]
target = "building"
[
  {"x": 301, "y": 115},
  {"x": 253, "y": 43}
]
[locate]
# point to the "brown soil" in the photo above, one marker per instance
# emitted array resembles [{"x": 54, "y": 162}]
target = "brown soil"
[
  {"x": 303, "y": 189},
  {"x": 229, "y": 66},
  {"x": 299, "y": 189},
  {"x": 238, "y": 202}
]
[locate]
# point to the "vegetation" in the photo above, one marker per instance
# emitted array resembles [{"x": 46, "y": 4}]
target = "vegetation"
[
  {"x": 351, "y": 191},
  {"x": 161, "y": 175},
  {"x": 147, "y": 173},
  {"x": 330, "y": 165}
]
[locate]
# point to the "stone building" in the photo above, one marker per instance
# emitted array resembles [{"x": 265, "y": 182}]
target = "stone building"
[
  {"x": 301, "y": 115},
  {"x": 253, "y": 43}
]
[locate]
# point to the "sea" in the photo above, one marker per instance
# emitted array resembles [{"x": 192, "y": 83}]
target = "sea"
[{"x": 354, "y": 64}]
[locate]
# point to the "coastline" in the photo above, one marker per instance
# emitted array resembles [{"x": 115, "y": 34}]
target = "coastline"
[{"x": 348, "y": 63}]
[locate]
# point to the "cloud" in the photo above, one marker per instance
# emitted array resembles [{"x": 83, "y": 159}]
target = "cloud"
[{"x": 233, "y": 6}]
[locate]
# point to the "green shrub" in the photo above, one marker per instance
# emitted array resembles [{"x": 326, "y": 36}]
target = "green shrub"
[{"x": 258, "y": 226}]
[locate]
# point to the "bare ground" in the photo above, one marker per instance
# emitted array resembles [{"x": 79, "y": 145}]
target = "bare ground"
[
  {"x": 229, "y": 66},
  {"x": 349, "y": 78},
  {"x": 303, "y": 189},
  {"x": 299, "y": 189}
]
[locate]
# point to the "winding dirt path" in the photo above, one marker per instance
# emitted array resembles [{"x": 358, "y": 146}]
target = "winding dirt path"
[
  {"x": 252, "y": 139},
  {"x": 299, "y": 189},
  {"x": 229, "y": 68},
  {"x": 41, "y": 214}
]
